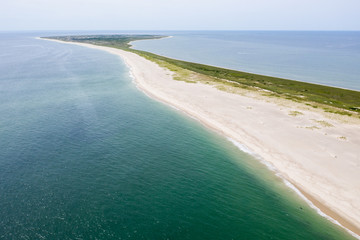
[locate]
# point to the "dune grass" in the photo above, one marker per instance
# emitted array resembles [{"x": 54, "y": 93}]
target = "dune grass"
[{"x": 332, "y": 99}]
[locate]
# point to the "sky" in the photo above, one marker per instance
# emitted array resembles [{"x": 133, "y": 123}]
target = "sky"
[{"x": 179, "y": 15}]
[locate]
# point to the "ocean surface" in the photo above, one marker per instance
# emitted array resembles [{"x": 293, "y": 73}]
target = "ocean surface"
[
  {"x": 86, "y": 155},
  {"x": 327, "y": 58}
]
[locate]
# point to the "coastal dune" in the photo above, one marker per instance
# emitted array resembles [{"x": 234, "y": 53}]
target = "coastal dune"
[{"x": 317, "y": 152}]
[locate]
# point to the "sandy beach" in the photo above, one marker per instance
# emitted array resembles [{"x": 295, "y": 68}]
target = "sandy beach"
[{"x": 317, "y": 152}]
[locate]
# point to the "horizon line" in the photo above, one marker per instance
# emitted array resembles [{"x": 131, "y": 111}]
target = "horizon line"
[{"x": 181, "y": 30}]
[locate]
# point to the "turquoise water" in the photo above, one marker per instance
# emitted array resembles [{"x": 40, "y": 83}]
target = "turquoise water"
[
  {"x": 86, "y": 155},
  {"x": 328, "y": 58}
]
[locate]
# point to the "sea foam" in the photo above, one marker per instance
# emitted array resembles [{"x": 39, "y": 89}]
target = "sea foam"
[{"x": 271, "y": 167}]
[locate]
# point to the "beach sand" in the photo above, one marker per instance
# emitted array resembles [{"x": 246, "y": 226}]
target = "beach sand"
[{"x": 317, "y": 152}]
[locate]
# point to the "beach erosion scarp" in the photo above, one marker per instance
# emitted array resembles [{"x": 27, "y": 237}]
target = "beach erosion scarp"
[{"x": 316, "y": 153}]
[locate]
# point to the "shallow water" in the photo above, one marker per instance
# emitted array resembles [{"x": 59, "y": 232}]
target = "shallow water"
[
  {"x": 86, "y": 155},
  {"x": 328, "y": 58}
]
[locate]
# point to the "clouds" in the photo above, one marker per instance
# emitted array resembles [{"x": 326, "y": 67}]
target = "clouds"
[{"x": 180, "y": 14}]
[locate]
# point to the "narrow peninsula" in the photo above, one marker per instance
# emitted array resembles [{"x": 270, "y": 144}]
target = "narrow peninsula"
[{"x": 308, "y": 133}]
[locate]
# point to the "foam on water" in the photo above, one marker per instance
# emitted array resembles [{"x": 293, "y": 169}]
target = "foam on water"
[
  {"x": 318, "y": 210},
  {"x": 242, "y": 147},
  {"x": 78, "y": 177},
  {"x": 271, "y": 167}
]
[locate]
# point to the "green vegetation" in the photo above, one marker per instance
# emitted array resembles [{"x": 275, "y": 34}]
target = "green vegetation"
[
  {"x": 115, "y": 41},
  {"x": 334, "y": 100},
  {"x": 295, "y": 113},
  {"x": 323, "y": 123}
]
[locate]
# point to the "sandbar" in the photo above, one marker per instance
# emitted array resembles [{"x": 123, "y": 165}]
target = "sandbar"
[{"x": 315, "y": 151}]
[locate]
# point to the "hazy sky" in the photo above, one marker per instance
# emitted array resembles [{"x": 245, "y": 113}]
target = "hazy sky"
[{"x": 180, "y": 14}]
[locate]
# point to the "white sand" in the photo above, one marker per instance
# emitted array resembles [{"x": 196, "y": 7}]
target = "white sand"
[{"x": 321, "y": 160}]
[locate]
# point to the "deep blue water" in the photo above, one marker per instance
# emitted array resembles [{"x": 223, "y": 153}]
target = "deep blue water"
[
  {"x": 328, "y": 58},
  {"x": 86, "y": 155}
]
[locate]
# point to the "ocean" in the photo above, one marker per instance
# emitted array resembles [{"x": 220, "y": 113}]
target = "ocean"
[
  {"x": 86, "y": 155},
  {"x": 327, "y": 58}
]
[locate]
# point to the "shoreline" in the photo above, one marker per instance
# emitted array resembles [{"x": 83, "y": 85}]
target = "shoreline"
[
  {"x": 232, "y": 69},
  {"x": 290, "y": 171}
]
